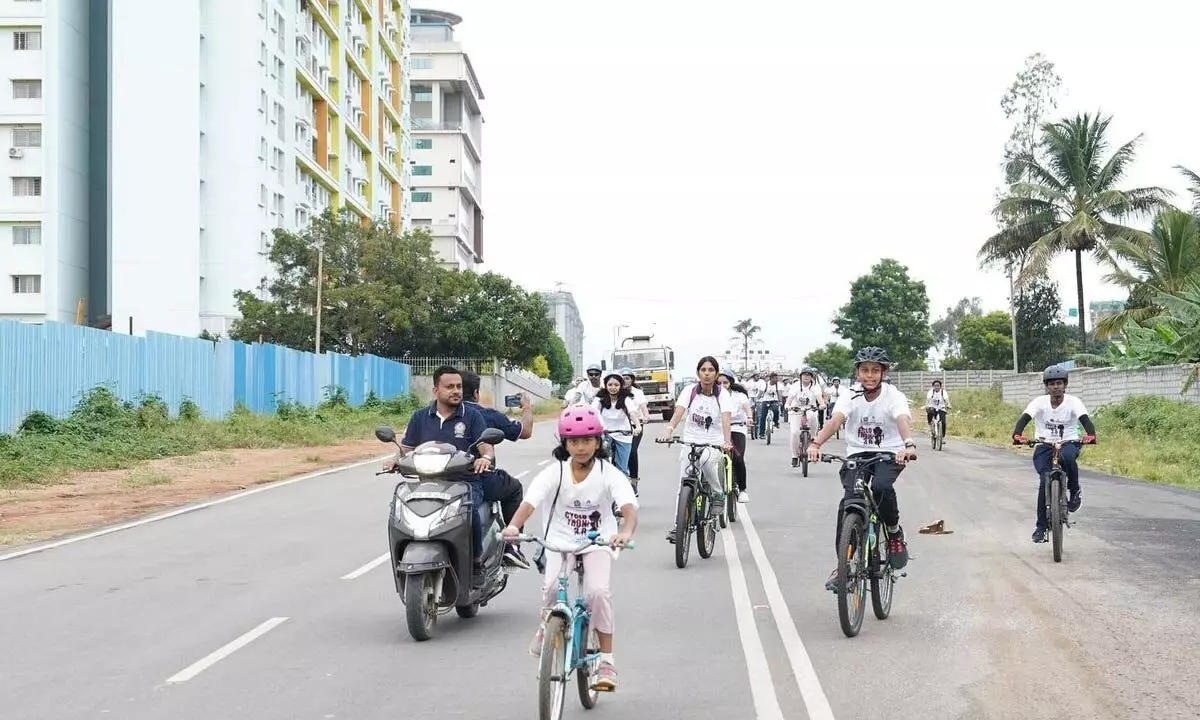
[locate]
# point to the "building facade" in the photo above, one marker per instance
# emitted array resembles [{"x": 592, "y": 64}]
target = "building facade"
[
  {"x": 447, "y": 159},
  {"x": 561, "y": 307},
  {"x": 161, "y": 183}
]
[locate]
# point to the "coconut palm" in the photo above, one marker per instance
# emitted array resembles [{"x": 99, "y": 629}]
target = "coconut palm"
[
  {"x": 1167, "y": 263},
  {"x": 1194, "y": 179},
  {"x": 1069, "y": 201}
]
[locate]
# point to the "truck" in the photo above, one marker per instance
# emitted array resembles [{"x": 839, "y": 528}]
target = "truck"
[{"x": 652, "y": 363}]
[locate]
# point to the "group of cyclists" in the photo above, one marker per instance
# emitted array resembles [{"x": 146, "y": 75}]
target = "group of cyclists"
[{"x": 592, "y": 486}]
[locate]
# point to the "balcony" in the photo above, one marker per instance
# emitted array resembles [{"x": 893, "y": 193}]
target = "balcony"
[{"x": 431, "y": 125}]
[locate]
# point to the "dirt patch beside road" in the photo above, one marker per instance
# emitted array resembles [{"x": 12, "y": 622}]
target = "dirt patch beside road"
[{"x": 93, "y": 499}]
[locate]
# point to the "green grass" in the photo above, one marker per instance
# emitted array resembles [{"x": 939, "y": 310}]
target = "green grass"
[
  {"x": 1144, "y": 437},
  {"x": 103, "y": 433}
]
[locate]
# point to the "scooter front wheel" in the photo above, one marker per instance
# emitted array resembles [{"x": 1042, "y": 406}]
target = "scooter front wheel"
[{"x": 420, "y": 607}]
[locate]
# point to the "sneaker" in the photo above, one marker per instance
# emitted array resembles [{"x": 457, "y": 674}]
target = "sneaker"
[
  {"x": 795, "y": 462},
  {"x": 606, "y": 678},
  {"x": 1074, "y": 499},
  {"x": 535, "y": 645},
  {"x": 717, "y": 503},
  {"x": 897, "y": 549},
  {"x": 1039, "y": 535},
  {"x": 671, "y": 536},
  {"x": 634, "y": 483},
  {"x": 832, "y": 583},
  {"x": 515, "y": 558},
  {"x": 743, "y": 497}
]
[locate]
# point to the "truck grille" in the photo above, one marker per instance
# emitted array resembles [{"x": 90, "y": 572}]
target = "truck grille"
[{"x": 653, "y": 388}]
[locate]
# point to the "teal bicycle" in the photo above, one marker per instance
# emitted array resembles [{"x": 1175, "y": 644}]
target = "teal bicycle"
[{"x": 569, "y": 645}]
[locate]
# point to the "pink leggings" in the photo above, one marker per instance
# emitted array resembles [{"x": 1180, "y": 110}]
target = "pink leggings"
[{"x": 597, "y": 572}]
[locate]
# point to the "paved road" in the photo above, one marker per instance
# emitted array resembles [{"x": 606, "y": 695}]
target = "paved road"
[{"x": 984, "y": 626}]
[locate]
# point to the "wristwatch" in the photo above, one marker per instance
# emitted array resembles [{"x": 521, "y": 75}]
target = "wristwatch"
[{"x": 910, "y": 443}]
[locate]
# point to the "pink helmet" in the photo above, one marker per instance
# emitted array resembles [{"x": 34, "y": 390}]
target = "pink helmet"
[{"x": 579, "y": 422}]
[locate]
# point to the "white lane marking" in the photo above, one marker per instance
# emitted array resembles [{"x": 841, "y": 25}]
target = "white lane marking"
[
  {"x": 521, "y": 475},
  {"x": 220, "y": 654},
  {"x": 184, "y": 510},
  {"x": 367, "y": 568},
  {"x": 815, "y": 701},
  {"x": 762, "y": 687},
  {"x": 543, "y": 463}
]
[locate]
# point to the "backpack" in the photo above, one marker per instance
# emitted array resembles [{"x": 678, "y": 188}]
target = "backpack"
[{"x": 696, "y": 391}]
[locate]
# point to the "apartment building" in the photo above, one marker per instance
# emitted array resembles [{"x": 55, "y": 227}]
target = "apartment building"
[
  {"x": 562, "y": 310},
  {"x": 447, "y": 158},
  {"x": 208, "y": 132},
  {"x": 44, "y": 126}
]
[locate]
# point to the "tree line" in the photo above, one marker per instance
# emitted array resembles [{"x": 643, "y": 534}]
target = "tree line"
[{"x": 387, "y": 294}]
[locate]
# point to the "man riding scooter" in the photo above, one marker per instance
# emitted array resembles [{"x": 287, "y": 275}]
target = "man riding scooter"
[
  {"x": 498, "y": 485},
  {"x": 449, "y": 420}
]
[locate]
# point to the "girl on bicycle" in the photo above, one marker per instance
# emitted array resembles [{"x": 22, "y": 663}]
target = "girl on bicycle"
[
  {"x": 709, "y": 419},
  {"x": 581, "y": 490},
  {"x": 805, "y": 400},
  {"x": 738, "y": 422},
  {"x": 937, "y": 402},
  {"x": 622, "y": 420}
]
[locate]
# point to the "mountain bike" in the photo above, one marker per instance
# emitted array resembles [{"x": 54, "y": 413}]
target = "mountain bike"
[
  {"x": 805, "y": 438},
  {"x": 731, "y": 495},
  {"x": 937, "y": 431},
  {"x": 694, "y": 511},
  {"x": 569, "y": 644},
  {"x": 768, "y": 422},
  {"x": 754, "y": 408},
  {"x": 863, "y": 547},
  {"x": 1057, "y": 514},
  {"x": 609, "y": 445}
]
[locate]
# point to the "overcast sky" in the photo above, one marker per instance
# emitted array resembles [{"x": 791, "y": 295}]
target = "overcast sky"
[{"x": 692, "y": 163}]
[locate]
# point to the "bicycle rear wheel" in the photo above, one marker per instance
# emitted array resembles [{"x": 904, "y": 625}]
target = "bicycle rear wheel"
[
  {"x": 683, "y": 525},
  {"x": 852, "y": 591},
  {"x": 883, "y": 578},
  {"x": 1054, "y": 497},
  {"x": 585, "y": 674},
  {"x": 552, "y": 693},
  {"x": 706, "y": 528}
]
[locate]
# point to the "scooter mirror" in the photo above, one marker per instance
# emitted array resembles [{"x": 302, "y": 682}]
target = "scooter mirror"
[
  {"x": 385, "y": 434},
  {"x": 491, "y": 436}
]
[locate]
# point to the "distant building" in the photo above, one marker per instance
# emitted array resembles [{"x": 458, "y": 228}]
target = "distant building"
[
  {"x": 760, "y": 360},
  {"x": 1100, "y": 310},
  {"x": 562, "y": 310}
]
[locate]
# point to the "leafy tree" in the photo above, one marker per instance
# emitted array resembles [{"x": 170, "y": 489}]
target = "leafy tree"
[
  {"x": 540, "y": 367},
  {"x": 745, "y": 331},
  {"x": 985, "y": 343},
  {"x": 1071, "y": 199},
  {"x": 1166, "y": 263},
  {"x": 834, "y": 359},
  {"x": 1172, "y": 338},
  {"x": 562, "y": 372},
  {"x": 1043, "y": 339},
  {"x": 945, "y": 328},
  {"x": 890, "y": 310},
  {"x": 1194, "y": 187}
]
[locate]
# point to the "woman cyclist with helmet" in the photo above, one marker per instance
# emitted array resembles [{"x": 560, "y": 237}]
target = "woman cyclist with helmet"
[
  {"x": 739, "y": 421},
  {"x": 877, "y": 419},
  {"x": 581, "y": 490},
  {"x": 805, "y": 399},
  {"x": 621, "y": 417}
]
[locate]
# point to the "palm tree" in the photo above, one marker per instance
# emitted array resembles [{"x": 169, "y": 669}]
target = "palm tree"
[
  {"x": 746, "y": 330},
  {"x": 1070, "y": 201},
  {"x": 1194, "y": 179},
  {"x": 1166, "y": 264}
]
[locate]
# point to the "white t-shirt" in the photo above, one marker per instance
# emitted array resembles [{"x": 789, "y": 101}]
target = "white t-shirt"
[
  {"x": 616, "y": 419},
  {"x": 583, "y": 393},
  {"x": 937, "y": 400},
  {"x": 834, "y": 392},
  {"x": 580, "y": 507},
  {"x": 804, "y": 396},
  {"x": 702, "y": 421},
  {"x": 772, "y": 392},
  {"x": 639, "y": 398},
  {"x": 739, "y": 401},
  {"x": 872, "y": 426},
  {"x": 1056, "y": 423},
  {"x": 754, "y": 388}
]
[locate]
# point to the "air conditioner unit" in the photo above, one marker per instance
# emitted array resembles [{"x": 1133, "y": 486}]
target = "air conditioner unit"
[{"x": 16, "y": 153}]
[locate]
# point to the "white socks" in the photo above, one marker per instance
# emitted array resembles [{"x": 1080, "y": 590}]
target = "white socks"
[{"x": 607, "y": 657}]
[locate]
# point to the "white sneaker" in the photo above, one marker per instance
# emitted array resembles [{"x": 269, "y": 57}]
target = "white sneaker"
[
  {"x": 535, "y": 646},
  {"x": 743, "y": 497}
]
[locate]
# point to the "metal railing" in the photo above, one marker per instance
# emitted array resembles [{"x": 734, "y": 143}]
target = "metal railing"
[{"x": 426, "y": 365}]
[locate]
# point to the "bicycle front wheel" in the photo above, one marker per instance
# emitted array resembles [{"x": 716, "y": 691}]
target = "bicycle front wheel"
[
  {"x": 706, "y": 528},
  {"x": 683, "y": 525},
  {"x": 852, "y": 590},
  {"x": 552, "y": 670},
  {"x": 805, "y": 439},
  {"x": 1054, "y": 497}
]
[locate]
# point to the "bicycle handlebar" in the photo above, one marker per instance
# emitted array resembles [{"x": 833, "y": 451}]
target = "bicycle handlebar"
[
  {"x": 868, "y": 459},
  {"x": 677, "y": 441},
  {"x": 1052, "y": 443},
  {"x": 593, "y": 539}
]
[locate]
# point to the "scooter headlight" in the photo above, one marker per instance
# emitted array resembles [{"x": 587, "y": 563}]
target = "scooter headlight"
[
  {"x": 431, "y": 464},
  {"x": 423, "y": 526}
]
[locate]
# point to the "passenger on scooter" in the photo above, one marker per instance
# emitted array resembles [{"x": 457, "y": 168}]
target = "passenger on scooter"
[
  {"x": 448, "y": 420},
  {"x": 498, "y": 485}
]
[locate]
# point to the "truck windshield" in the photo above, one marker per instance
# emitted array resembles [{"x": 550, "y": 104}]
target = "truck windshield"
[{"x": 640, "y": 359}]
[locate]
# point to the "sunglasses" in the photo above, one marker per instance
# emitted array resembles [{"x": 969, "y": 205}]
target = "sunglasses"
[{"x": 593, "y": 374}]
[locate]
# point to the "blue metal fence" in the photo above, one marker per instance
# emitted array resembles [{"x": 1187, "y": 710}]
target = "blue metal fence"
[{"x": 48, "y": 367}]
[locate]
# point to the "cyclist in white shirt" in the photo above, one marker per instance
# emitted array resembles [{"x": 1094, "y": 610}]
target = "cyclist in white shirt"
[
  {"x": 805, "y": 399},
  {"x": 639, "y": 398},
  {"x": 772, "y": 394},
  {"x": 738, "y": 422},
  {"x": 707, "y": 414},
  {"x": 1055, "y": 415},
  {"x": 616, "y": 407},
  {"x": 937, "y": 402},
  {"x": 585, "y": 392},
  {"x": 877, "y": 419}
]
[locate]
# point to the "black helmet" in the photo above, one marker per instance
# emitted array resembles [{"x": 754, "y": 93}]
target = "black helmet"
[
  {"x": 1054, "y": 372},
  {"x": 872, "y": 354}
]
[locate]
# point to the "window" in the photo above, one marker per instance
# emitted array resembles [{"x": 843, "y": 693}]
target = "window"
[
  {"x": 279, "y": 129},
  {"x": 279, "y": 204},
  {"x": 422, "y": 197},
  {"x": 262, "y": 101},
  {"x": 27, "y": 89},
  {"x": 422, "y": 96},
  {"x": 262, "y": 148},
  {"x": 422, "y": 170},
  {"x": 27, "y": 234},
  {"x": 421, "y": 64},
  {"x": 27, "y": 40},
  {"x": 262, "y": 9},
  {"x": 263, "y": 245},
  {"x": 423, "y": 144},
  {"x": 27, "y": 284},
  {"x": 262, "y": 196},
  {"x": 27, "y": 137},
  {"x": 279, "y": 29},
  {"x": 26, "y": 186}
]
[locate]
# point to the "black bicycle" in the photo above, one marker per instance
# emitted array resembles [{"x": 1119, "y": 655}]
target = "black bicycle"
[
  {"x": 937, "y": 431},
  {"x": 863, "y": 547},
  {"x": 694, "y": 512},
  {"x": 1057, "y": 513}
]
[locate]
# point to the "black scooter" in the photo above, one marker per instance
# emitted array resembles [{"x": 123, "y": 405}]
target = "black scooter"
[{"x": 429, "y": 534}]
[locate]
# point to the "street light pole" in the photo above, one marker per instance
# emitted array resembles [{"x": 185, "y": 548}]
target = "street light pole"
[
  {"x": 320, "y": 282},
  {"x": 616, "y": 331}
]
